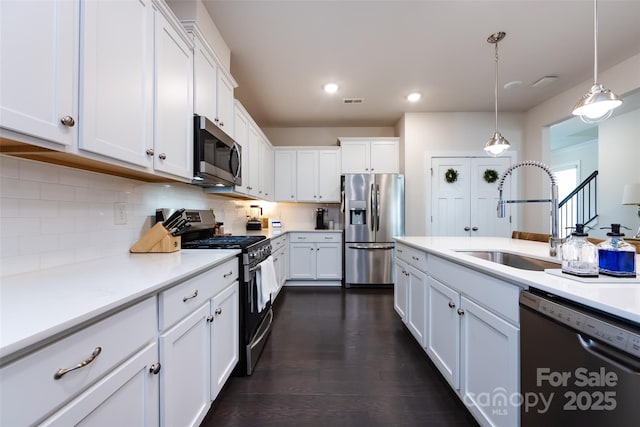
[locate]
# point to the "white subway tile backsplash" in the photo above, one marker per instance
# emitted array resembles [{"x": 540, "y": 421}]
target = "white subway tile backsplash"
[
  {"x": 36, "y": 171},
  {"x": 9, "y": 167},
  {"x": 39, "y": 208},
  {"x": 53, "y": 215},
  {"x": 19, "y": 189},
  {"x": 57, "y": 192}
]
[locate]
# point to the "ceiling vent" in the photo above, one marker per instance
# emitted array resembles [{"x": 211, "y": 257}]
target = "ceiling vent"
[
  {"x": 352, "y": 100},
  {"x": 544, "y": 81}
]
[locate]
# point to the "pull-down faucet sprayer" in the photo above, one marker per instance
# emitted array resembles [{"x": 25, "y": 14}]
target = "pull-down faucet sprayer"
[{"x": 554, "y": 241}]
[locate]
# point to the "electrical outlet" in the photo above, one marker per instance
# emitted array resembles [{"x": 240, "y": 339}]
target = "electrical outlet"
[{"x": 120, "y": 213}]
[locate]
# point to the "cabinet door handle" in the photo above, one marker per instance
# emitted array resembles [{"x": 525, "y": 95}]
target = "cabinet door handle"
[
  {"x": 62, "y": 371},
  {"x": 467, "y": 228},
  {"x": 68, "y": 121},
  {"x": 218, "y": 311},
  {"x": 221, "y": 123},
  {"x": 460, "y": 312},
  {"x": 155, "y": 368},
  {"x": 474, "y": 228},
  {"x": 228, "y": 274},
  {"x": 162, "y": 156},
  {"x": 452, "y": 304},
  {"x": 415, "y": 258},
  {"x": 193, "y": 295},
  {"x": 209, "y": 318},
  {"x": 150, "y": 152}
]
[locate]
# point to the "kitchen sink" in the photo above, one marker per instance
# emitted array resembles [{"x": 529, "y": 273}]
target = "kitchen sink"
[{"x": 513, "y": 260}]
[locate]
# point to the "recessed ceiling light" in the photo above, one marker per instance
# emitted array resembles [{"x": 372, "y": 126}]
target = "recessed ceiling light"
[
  {"x": 330, "y": 88},
  {"x": 414, "y": 97}
]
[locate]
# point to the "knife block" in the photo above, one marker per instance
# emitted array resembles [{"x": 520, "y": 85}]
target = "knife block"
[{"x": 158, "y": 239}]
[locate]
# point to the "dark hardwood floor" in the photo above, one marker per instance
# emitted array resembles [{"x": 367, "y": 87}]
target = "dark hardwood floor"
[{"x": 339, "y": 357}]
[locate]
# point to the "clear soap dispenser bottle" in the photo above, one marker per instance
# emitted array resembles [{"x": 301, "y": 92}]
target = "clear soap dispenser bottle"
[
  {"x": 579, "y": 256},
  {"x": 616, "y": 257}
]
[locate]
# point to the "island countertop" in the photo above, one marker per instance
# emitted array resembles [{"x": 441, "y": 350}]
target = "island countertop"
[{"x": 618, "y": 297}]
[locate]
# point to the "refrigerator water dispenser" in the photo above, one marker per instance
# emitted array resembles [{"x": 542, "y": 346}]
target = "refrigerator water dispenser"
[{"x": 357, "y": 212}]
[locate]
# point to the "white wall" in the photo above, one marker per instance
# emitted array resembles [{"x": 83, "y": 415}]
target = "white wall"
[
  {"x": 425, "y": 134},
  {"x": 586, "y": 154},
  {"x": 621, "y": 79},
  {"x": 321, "y": 136}
]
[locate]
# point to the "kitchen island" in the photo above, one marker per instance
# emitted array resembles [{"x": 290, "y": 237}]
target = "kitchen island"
[{"x": 464, "y": 312}]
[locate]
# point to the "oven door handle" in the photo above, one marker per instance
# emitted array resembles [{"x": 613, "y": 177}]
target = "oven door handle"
[
  {"x": 264, "y": 332},
  {"x": 254, "y": 269},
  {"x": 602, "y": 352}
]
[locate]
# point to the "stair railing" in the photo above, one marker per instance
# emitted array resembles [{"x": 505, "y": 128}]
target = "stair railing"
[{"x": 580, "y": 206}]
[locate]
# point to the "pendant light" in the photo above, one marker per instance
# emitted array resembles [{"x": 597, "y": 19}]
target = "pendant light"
[
  {"x": 497, "y": 144},
  {"x": 597, "y": 104}
]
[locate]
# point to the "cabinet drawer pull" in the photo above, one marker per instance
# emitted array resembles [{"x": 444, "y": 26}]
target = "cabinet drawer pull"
[
  {"x": 195, "y": 294},
  {"x": 62, "y": 371},
  {"x": 228, "y": 274},
  {"x": 68, "y": 121},
  {"x": 218, "y": 311},
  {"x": 155, "y": 368},
  {"x": 460, "y": 312},
  {"x": 452, "y": 304},
  {"x": 209, "y": 318}
]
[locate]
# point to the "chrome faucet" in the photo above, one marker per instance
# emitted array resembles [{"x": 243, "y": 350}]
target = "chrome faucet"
[{"x": 554, "y": 241}]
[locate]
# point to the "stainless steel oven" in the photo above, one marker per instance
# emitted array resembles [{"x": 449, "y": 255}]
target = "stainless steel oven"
[{"x": 579, "y": 367}]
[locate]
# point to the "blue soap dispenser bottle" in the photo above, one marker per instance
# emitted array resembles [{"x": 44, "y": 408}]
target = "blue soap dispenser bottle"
[{"x": 616, "y": 257}]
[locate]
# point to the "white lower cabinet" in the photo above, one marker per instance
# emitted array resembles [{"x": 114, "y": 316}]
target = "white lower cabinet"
[
  {"x": 315, "y": 256},
  {"x": 225, "y": 335},
  {"x": 400, "y": 289},
  {"x": 127, "y": 396},
  {"x": 489, "y": 365},
  {"x": 280, "y": 254},
  {"x": 470, "y": 331},
  {"x": 123, "y": 371}
]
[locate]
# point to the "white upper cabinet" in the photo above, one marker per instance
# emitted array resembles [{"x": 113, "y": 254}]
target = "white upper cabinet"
[
  {"x": 307, "y": 175},
  {"x": 116, "y": 76},
  {"x": 370, "y": 155},
  {"x": 285, "y": 175},
  {"x": 38, "y": 70},
  {"x": 173, "y": 120},
  {"x": 241, "y": 136},
  {"x": 214, "y": 86}
]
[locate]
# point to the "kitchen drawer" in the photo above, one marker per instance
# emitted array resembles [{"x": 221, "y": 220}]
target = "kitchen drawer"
[
  {"x": 278, "y": 242},
  {"x": 316, "y": 237},
  {"x": 29, "y": 390},
  {"x": 414, "y": 257},
  {"x": 180, "y": 300}
]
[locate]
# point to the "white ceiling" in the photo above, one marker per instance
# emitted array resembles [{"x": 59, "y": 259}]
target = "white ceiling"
[{"x": 282, "y": 52}]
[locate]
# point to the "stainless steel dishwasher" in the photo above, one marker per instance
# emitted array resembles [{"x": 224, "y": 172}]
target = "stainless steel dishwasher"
[{"x": 579, "y": 367}]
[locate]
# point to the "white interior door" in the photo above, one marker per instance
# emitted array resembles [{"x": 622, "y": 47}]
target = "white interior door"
[
  {"x": 484, "y": 219},
  {"x": 450, "y": 201},
  {"x": 467, "y": 206}
]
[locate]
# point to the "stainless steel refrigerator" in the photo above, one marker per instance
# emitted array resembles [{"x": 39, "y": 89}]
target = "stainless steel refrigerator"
[{"x": 373, "y": 212}]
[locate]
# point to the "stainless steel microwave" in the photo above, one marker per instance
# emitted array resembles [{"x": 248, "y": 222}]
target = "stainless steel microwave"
[{"x": 216, "y": 156}]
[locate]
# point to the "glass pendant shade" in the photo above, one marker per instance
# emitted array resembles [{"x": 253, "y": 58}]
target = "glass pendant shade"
[{"x": 496, "y": 145}]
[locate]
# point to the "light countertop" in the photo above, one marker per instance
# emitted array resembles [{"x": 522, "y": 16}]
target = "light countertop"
[
  {"x": 610, "y": 295},
  {"x": 36, "y": 306}
]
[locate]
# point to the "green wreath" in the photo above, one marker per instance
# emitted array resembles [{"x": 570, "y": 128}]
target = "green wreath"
[
  {"x": 451, "y": 175},
  {"x": 491, "y": 176}
]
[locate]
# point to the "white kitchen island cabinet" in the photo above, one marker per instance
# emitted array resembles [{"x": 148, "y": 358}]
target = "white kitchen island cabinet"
[
  {"x": 315, "y": 256},
  {"x": 468, "y": 324}
]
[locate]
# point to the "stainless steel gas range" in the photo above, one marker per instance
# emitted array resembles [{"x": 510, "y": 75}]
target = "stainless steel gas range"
[{"x": 255, "y": 321}]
